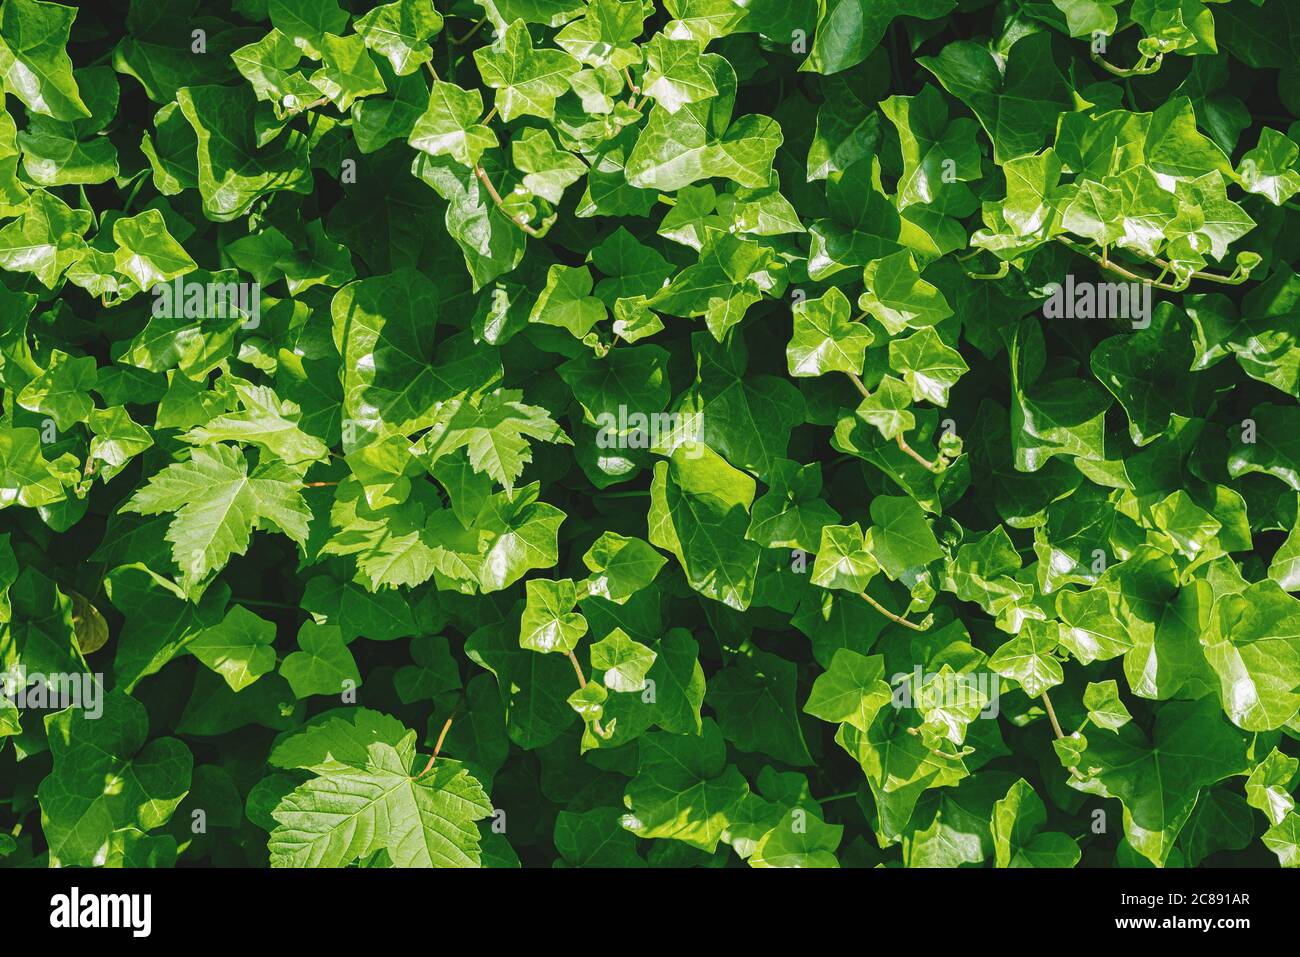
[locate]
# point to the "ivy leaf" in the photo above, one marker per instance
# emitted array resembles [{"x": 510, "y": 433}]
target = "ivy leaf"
[
  {"x": 620, "y": 566},
  {"x": 146, "y": 252},
  {"x": 449, "y": 125},
  {"x": 843, "y": 559},
  {"x": 1255, "y": 650},
  {"x": 239, "y": 648},
  {"x": 1028, "y": 658},
  {"x": 547, "y": 169},
  {"x": 566, "y": 301},
  {"x": 232, "y": 170},
  {"x": 1017, "y": 820},
  {"x": 675, "y": 74},
  {"x": 624, "y": 662},
  {"x": 1017, "y": 107},
  {"x": 699, "y": 511},
  {"x": 527, "y": 80},
  {"x": 78, "y": 814},
  {"x": 347, "y": 70},
  {"x": 1268, "y": 788},
  {"x": 322, "y": 664},
  {"x": 1158, "y": 781},
  {"x": 549, "y": 622},
  {"x": 61, "y": 391},
  {"x": 825, "y": 340},
  {"x": 399, "y": 31},
  {"x": 851, "y": 690},
  {"x": 847, "y": 31},
  {"x": 1105, "y": 709},
  {"x": 34, "y": 59},
  {"x": 683, "y": 788}
]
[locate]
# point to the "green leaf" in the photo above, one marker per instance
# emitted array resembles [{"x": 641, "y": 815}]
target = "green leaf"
[
  {"x": 399, "y": 31},
  {"x": 78, "y": 813},
  {"x": 675, "y": 74},
  {"x": 372, "y": 801},
  {"x": 322, "y": 664},
  {"x": 34, "y": 58},
  {"x": 239, "y": 648},
  {"x": 825, "y": 339},
  {"x": 233, "y": 172},
  {"x": 623, "y": 661},
  {"x": 1017, "y": 106},
  {"x": 549, "y": 622},
  {"x": 620, "y": 566},
  {"x": 1158, "y": 781},
  {"x": 844, "y": 559},
  {"x": 851, "y": 690},
  {"x": 61, "y": 390},
  {"x": 1028, "y": 659},
  {"x": 527, "y": 80},
  {"x": 347, "y": 70},
  {"x": 1254, "y": 648},
  {"x": 217, "y": 504},
  {"x": 848, "y": 31},
  {"x": 699, "y": 511},
  {"x": 449, "y": 125},
  {"x": 683, "y": 789},
  {"x": 1105, "y": 709}
]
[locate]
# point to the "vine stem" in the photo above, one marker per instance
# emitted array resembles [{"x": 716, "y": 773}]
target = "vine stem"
[
  {"x": 442, "y": 736},
  {"x": 1144, "y": 67},
  {"x": 922, "y": 625},
  {"x": 902, "y": 442},
  {"x": 306, "y": 107},
  {"x": 519, "y": 221},
  {"x": 1105, "y": 262},
  {"x": 582, "y": 683},
  {"x": 468, "y": 36},
  {"x": 1051, "y": 714}
]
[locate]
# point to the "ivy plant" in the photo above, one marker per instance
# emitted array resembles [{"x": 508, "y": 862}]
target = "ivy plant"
[{"x": 771, "y": 433}]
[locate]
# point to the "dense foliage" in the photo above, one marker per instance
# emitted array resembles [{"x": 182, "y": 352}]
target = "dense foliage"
[{"x": 604, "y": 432}]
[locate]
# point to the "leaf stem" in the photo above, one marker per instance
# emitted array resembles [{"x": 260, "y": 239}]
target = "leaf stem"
[
  {"x": 294, "y": 111},
  {"x": 1051, "y": 714},
  {"x": 922, "y": 625},
  {"x": 1003, "y": 268},
  {"x": 1235, "y": 279},
  {"x": 519, "y": 221},
  {"x": 902, "y": 442},
  {"x": 1144, "y": 67},
  {"x": 582, "y": 683},
  {"x": 456, "y": 42},
  {"x": 926, "y": 463},
  {"x": 437, "y": 748}
]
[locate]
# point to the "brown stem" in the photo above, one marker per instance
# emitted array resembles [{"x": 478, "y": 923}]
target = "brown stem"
[
  {"x": 902, "y": 442},
  {"x": 1236, "y": 279},
  {"x": 1051, "y": 714},
  {"x": 500, "y": 204},
  {"x": 442, "y": 736},
  {"x": 897, "y": 619},
  {"x": 926, "y": 463}
]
